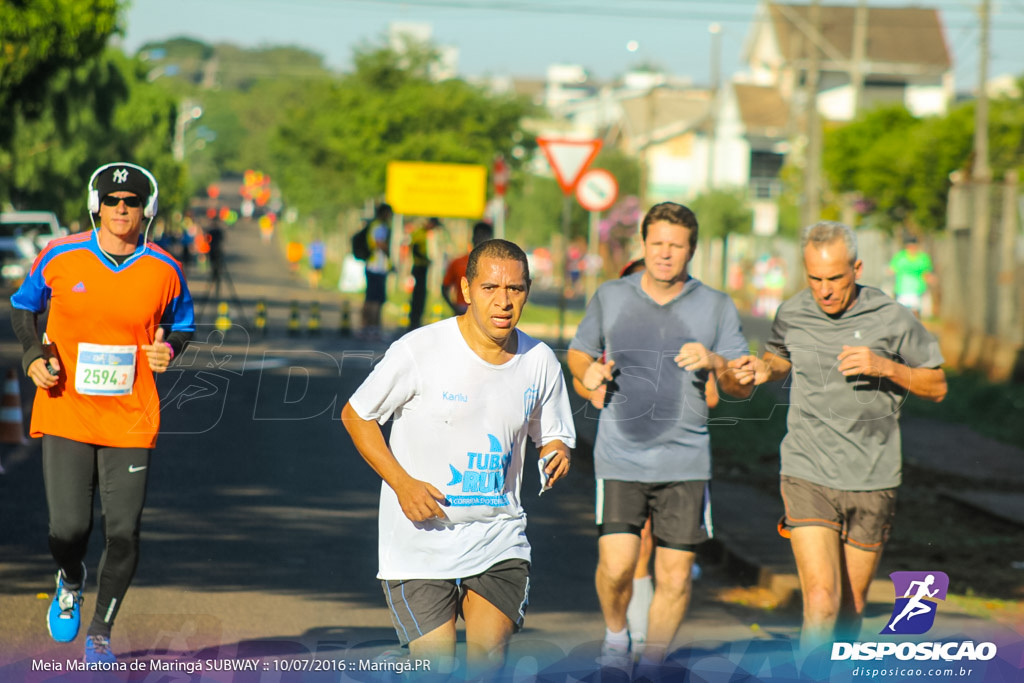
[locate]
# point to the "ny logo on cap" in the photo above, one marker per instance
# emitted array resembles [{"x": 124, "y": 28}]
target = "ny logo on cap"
[{"x": 121, "y": 175}]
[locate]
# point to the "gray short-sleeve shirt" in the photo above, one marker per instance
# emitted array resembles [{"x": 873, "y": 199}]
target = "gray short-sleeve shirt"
[
  {"x": 655, "y": 427},
  {"x": 843, "y": 432}
]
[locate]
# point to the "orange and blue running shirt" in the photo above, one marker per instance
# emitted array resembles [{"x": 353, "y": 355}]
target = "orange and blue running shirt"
[{"x": 94, "y": 301}]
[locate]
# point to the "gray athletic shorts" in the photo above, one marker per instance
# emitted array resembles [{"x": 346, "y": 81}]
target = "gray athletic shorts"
[
  {"x": 418, "y": 606},
  {"x": 680, "y": 511},
  {"x": 862, "y": 518}
]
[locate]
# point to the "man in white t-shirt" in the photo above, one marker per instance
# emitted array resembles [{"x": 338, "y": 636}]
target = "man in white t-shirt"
[{"x": 464, "y": 394}]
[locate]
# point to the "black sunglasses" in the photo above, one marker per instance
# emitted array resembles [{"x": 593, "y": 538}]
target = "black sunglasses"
[{"x": 130, "y": 202}]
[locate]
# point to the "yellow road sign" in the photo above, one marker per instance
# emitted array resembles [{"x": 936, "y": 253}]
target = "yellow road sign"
[{"x": 419, "y": 188}]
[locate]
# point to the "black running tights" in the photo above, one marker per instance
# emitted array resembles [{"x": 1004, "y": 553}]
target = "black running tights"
[{"x": 72, "y": 471}]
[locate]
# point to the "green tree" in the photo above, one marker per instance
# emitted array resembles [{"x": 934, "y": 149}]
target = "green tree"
[
  {"x": 936, "y": 147},
  {"x": 331, "y": 147},
  {"x": 535, "y": 211},
  {"x": 100, "y": 111},
  {"x": 1006, "y": 136},
  {"x": 179, "y": 62},
  {"x": 790, "y": 219},
  {"x": 900, "y": 165},
  {"x": 243, "y": 69},
  {"x": 40, "y": 39},
  {"x": 723, "y": 212},
  {"x": 40, "y": 42},
  {"x": 869, "y": 158},
  {"x": 624, "y": 167},
  {"x": 240, "y": 91}
]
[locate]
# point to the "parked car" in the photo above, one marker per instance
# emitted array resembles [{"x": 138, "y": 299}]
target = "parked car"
[{"x": 23, "y": 234}]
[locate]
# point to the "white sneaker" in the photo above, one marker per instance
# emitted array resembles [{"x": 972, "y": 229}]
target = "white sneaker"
[{"x": 615, "y": 656}]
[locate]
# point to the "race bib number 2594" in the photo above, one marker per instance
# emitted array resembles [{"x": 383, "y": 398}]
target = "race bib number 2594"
[{"x": 105, "y": 370}]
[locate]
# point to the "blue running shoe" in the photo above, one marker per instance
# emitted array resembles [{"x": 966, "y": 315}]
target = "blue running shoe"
[
  {"x": 97, "y": 650},
  {"x": 65, "y": 615}
]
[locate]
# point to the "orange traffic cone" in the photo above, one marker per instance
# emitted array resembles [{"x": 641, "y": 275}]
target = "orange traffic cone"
[{"x": 12, "y": 427}]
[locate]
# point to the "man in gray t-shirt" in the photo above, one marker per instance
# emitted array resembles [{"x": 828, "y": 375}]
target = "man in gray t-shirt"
[
  {"x": 661, "y": 333},
  {"x": 854, "y": 354}
]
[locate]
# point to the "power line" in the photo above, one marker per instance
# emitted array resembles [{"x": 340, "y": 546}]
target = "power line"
[
  {"x": 959, "y": 46},
  {"x": 739, "y": 11},
  {"x": 615, "y": 8}
]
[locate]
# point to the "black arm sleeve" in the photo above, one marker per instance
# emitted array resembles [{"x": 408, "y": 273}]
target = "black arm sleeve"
[
  {"x": 24, "y": 323},
  {"x": 178, "y": 341}
]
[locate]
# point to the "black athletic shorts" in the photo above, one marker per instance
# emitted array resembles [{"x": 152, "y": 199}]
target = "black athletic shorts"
[
  {"x": 376, "y": 287},
  {"x": 680, "y": 511}
]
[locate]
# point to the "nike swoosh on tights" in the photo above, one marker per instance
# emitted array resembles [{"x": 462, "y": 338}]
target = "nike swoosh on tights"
[{"x": 134, "y": 468}]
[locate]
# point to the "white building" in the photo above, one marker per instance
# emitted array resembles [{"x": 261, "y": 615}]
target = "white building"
[{"x": 866, "y": 57}]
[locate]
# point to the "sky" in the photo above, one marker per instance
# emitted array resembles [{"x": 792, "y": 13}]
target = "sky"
[{"x": 523, "y": 37}]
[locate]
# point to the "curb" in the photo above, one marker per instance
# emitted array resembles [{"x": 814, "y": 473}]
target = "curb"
[{"x": 745, "y": 532}]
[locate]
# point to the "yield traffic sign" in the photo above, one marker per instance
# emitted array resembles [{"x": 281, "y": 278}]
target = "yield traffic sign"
[
  {"x": 569, "y": 159},
  {"x": 597, "y": 190}
]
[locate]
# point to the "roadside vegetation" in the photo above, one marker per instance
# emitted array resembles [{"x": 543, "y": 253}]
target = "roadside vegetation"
[{"x": 986, "y": 407}]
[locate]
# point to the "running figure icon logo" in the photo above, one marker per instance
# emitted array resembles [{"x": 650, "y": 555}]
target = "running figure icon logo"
[{"x": 916, "y": 595}]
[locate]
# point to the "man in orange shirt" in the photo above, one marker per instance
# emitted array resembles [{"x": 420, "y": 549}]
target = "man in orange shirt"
[
  {"x": 112, "y": 297},
  {"x": 451, "y": 286}
]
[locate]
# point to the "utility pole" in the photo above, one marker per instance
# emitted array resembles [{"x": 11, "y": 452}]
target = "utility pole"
[
  {"x": 645, "y": 157},
  {"x": 187, "y": 113},
  {"x": 981, "y": 181},
  {"x": 981, "y": 167},
  {"x": 859, "y": 56},
  {"x": 1007, "y": 305},
  {"x": 716, "y": 58},
  {"x": 812, "y": 161}
]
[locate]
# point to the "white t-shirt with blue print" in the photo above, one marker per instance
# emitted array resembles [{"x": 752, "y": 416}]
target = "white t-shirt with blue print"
[{"x": 461, "y": 424}]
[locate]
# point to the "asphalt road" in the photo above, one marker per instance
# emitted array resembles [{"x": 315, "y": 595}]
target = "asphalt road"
[{"x": 259, "y": 535}]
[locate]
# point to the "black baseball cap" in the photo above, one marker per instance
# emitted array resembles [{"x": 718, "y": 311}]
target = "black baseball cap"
[{"x": 123, "y": 178}]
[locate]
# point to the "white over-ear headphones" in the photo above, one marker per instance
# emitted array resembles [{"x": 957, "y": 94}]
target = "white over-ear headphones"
[{"x": 151, "y": 203}]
